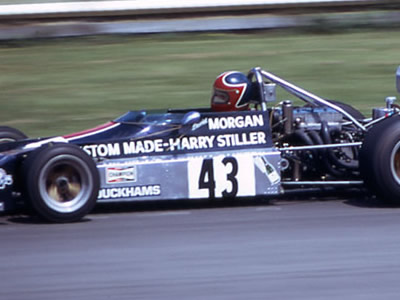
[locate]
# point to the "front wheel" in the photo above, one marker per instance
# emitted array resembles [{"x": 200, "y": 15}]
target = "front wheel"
[
  {"x": 9, "y": 134},
  {"x": 380, "y": 160},
  {"x": 62, "y": 182}
]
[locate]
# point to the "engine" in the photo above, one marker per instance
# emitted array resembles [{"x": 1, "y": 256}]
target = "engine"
[{"x": 306, "y": 136}]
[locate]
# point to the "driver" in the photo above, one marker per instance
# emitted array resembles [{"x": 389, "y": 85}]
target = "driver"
[{"x": 232, "y": 91}]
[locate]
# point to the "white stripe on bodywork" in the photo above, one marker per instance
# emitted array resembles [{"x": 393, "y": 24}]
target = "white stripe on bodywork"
[{"x": 58, "y": 139}]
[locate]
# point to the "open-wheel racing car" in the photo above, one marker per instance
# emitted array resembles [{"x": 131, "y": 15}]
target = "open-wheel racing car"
[{"x": 225, "y": 151}]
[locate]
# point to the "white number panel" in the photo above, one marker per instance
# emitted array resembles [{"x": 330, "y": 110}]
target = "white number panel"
[{"x": 221, "y": 176}]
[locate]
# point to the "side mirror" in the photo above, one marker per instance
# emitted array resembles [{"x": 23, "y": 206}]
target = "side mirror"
[
  {"x": 188, "y": 120},
  {"x": 270, "y": 92},
  {"x": 398, "y": 79}
]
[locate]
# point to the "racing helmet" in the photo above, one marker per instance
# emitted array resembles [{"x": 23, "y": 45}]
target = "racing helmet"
[{"x": 231, "y": 91}]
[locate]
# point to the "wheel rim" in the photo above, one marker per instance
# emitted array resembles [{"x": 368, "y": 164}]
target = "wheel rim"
[
  {"x": 65, "y": 183},
  {"x": 395, "y": 162},
  {"x": 7, "y": 140}
]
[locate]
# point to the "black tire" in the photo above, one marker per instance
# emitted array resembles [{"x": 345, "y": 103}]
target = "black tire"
[
  {"x": 62, "y": 182},
  {"x": 356, "y": 114},
  {"x": 9, "y": 134},
  {"x": 380, "y": 160}
]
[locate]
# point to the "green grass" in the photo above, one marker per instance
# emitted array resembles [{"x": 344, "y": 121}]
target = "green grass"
[{"x": 58, "y": 86}]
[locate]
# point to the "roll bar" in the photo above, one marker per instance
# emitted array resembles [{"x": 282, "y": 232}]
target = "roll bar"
[{"x": 300, "y": 93}]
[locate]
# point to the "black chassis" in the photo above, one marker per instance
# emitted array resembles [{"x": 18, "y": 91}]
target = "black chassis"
[{"x": 197, "y": 153}]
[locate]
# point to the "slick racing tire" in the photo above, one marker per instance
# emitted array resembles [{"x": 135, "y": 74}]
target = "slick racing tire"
[
  {"x": 9, "y": 134},
  {"x": 62, "y": 182},
  {"x": 380, "y": 160}
]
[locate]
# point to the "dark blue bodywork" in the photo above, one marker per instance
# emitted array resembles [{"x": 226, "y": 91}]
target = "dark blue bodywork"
[{"x": 162, "y": 128}]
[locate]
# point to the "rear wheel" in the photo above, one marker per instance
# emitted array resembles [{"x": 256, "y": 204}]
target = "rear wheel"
[
  {"x": 349, "y": 109},
  {"x": 62, "y": 182},
  {"x": 380, "y": 160},
  {"x": 9, "y": 134}
]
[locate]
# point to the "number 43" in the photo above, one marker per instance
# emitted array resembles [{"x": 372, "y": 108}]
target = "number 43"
[
  {"x": 207, "y": 181},
  {"x": 221, "y": 176}
]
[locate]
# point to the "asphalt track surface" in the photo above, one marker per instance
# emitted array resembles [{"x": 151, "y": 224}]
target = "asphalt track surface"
[{"x": 340, "y": 249}]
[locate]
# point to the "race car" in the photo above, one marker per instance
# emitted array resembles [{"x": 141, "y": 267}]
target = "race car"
[{"x": 247, "y": 144}]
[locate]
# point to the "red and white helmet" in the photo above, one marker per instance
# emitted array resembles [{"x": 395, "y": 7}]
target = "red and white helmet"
[{"x": 231, "y": 91}]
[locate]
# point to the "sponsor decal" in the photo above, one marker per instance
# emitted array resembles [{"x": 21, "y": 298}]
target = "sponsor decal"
[
  {"x": 235, "y": 122},
  {"x": 268, "y": 169},
  {"x": 5, "y": 179},
  {"x": 130, "y": 192},
  {"x": 185, "y": 143},
  {"x": 191, "y": 143},
  {"x": 121, "y": 174},
  {"x": 103, "y": 150},
  {"x": 200, "y": 124},
  {"x": 219, "y": 132},
  {"x": 230, "y": 122},
  {"x": 241, "y": 139},
  {"x": 143, "y": 146}
]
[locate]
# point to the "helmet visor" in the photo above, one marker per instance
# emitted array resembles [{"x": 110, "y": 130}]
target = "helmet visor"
[{"x": 220, "y": 97}]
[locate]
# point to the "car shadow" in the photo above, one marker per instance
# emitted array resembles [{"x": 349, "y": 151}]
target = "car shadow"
[
  {"x": 26, "y": 219},
  {"x": 169, "y": 205},
  {"x": 369, "y": 201},
  {"x": 356, "y": 198},
  {"x": 23, "y": 216},
  {"x": 32, "y": 219},
  {"x": 352, "y": 197}
]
